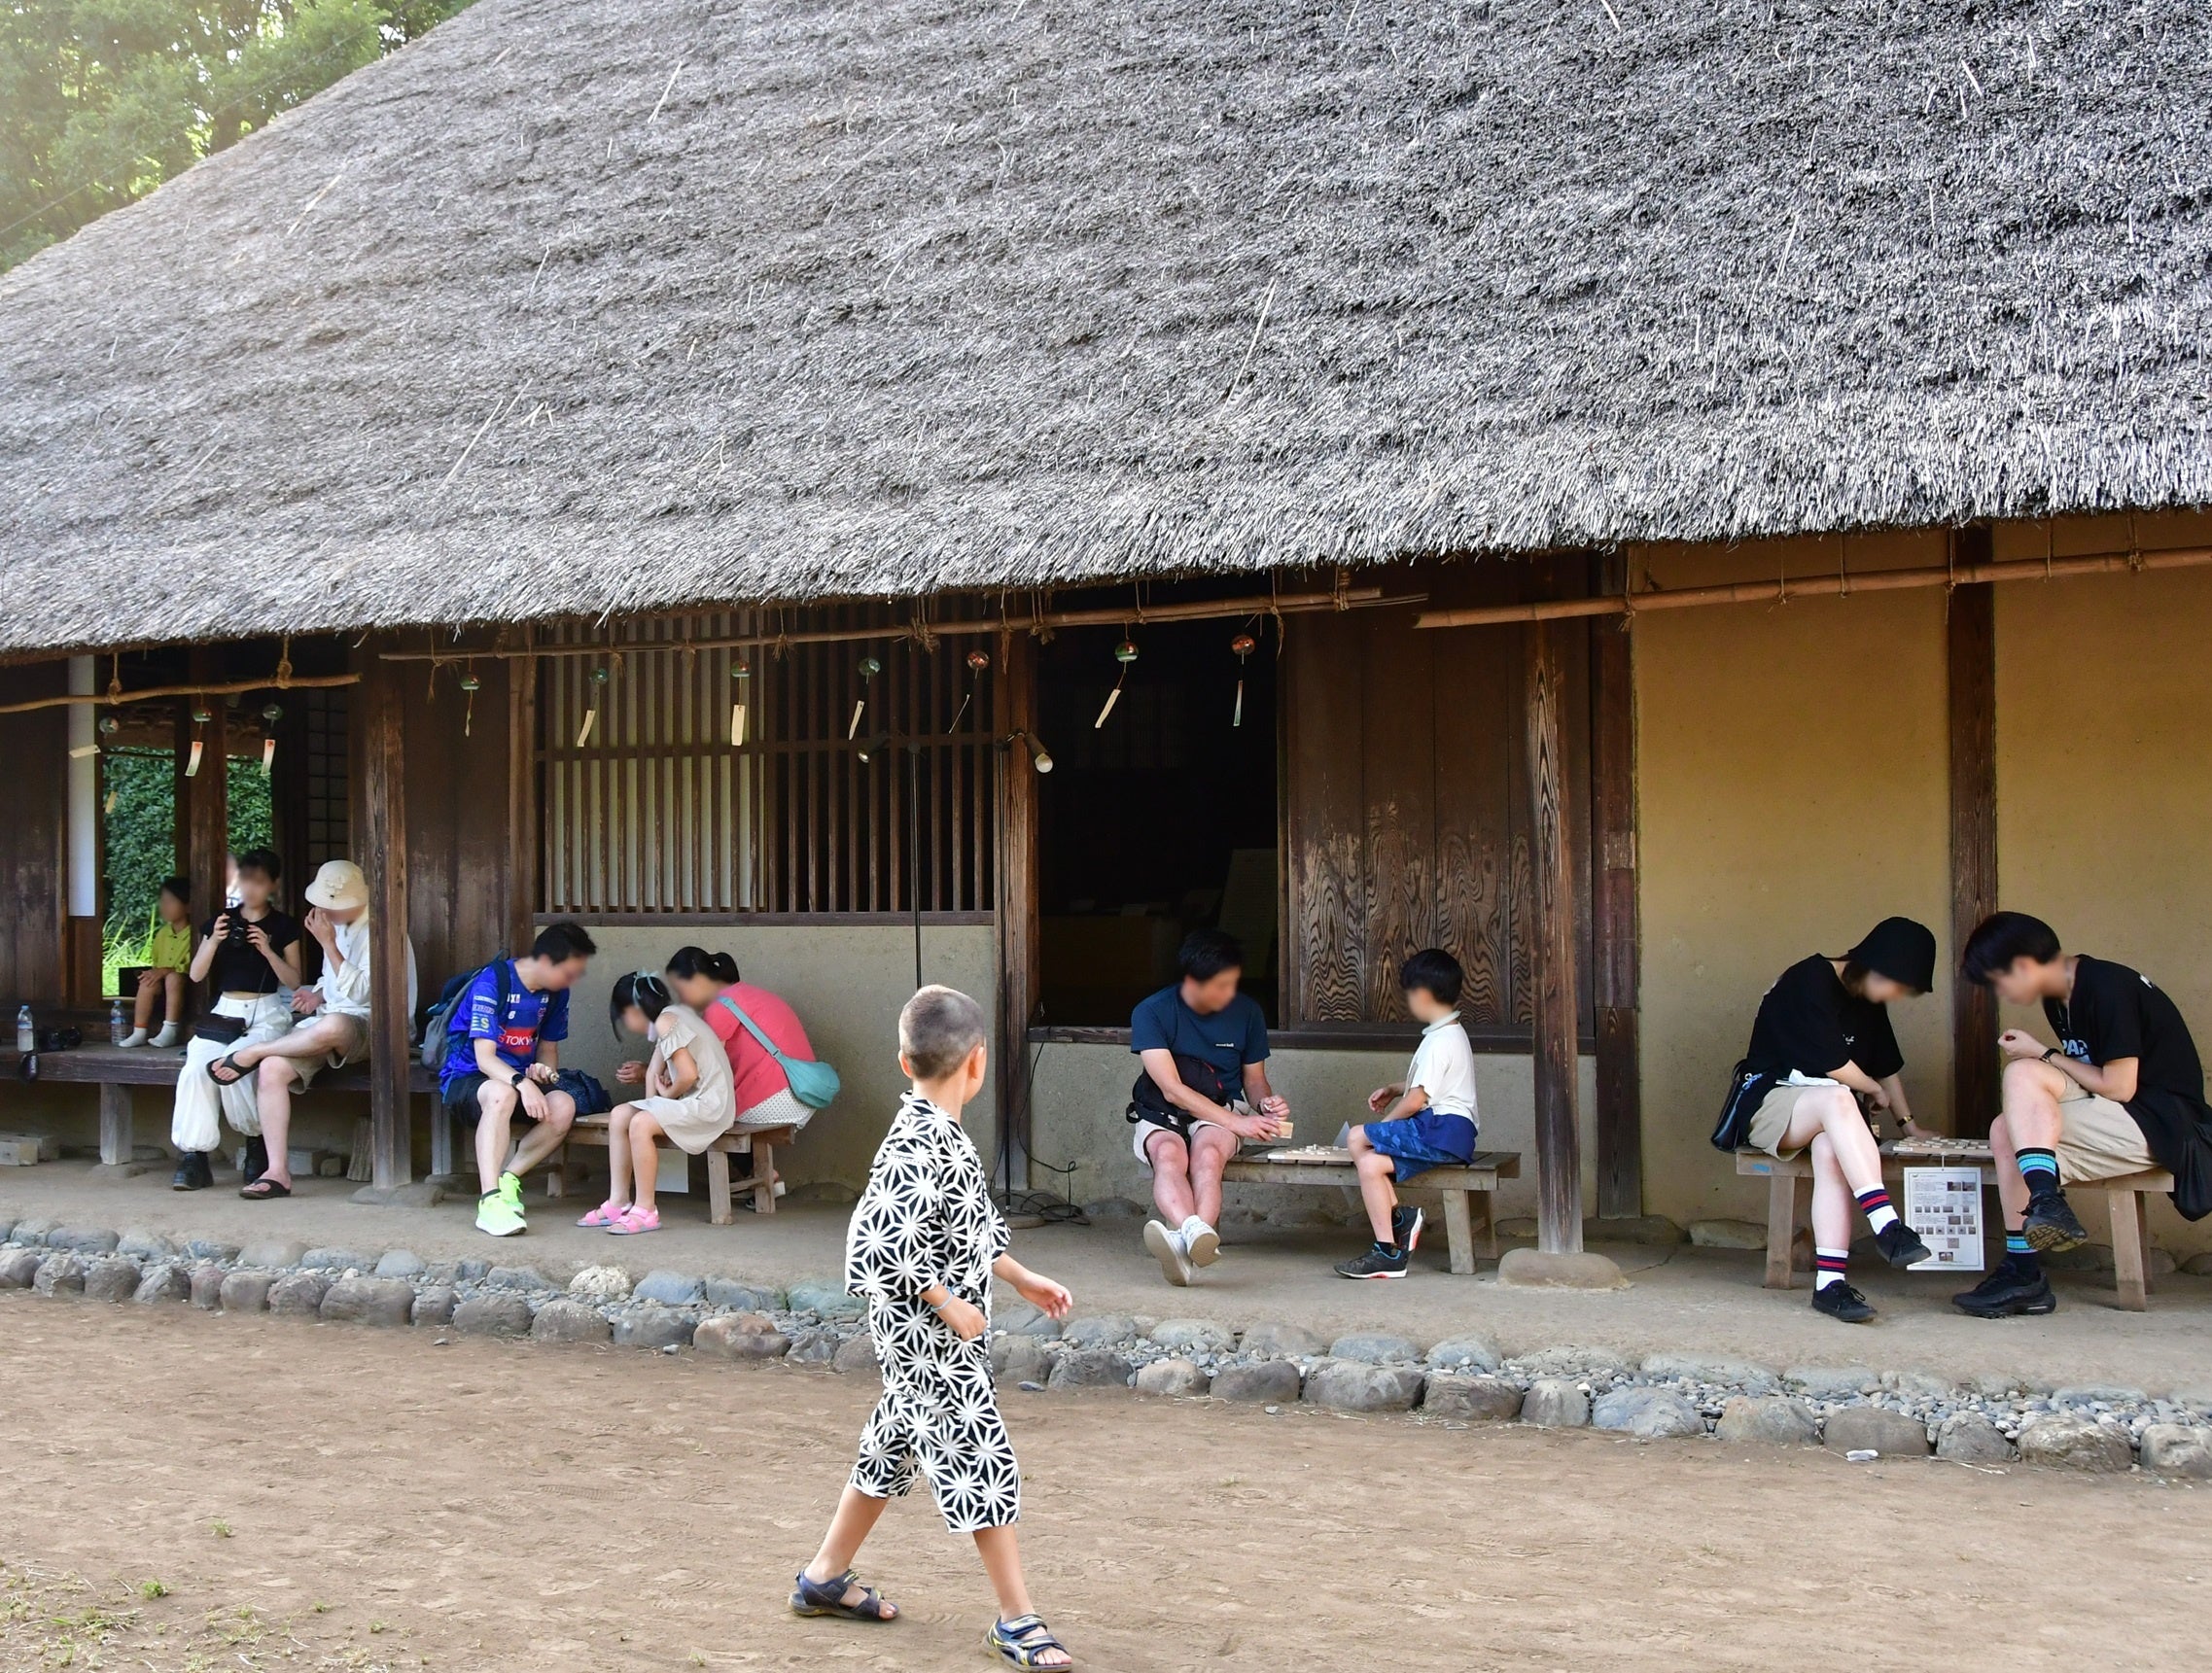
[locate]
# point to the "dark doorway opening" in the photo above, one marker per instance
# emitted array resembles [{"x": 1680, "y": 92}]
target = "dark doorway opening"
[{"x": 1159, "y": 821}]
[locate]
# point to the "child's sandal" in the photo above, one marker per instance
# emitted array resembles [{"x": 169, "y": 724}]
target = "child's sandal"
[
  {"x": 1025, "y": 1638},
  {"x": 633, "y": 1220},
  {"x": 603, "y": 1216},
  {"x": 828, "y": 1597}
]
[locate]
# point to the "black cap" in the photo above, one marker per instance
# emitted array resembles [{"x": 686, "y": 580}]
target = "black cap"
[{"x": 1901, "y": 950}]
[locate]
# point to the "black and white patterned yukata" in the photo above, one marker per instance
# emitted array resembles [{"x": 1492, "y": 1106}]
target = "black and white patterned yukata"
[{"x": 926, "y": 1219}]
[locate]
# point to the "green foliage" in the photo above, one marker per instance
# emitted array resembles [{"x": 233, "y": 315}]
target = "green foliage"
[
  {"x": 141, "y": 826},
  {"x": 102, "y": 100}
]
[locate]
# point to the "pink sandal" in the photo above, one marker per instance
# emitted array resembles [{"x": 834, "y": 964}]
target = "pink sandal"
[
  {"x": 634, "y": 1219},
  {"x": 602, "y": 1217}
]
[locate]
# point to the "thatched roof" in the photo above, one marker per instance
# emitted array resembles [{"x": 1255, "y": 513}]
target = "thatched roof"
[{"x": 578, "y": 305}]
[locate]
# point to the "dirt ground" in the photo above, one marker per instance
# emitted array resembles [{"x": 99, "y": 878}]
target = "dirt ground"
[{"x": 195, "y": 1492}]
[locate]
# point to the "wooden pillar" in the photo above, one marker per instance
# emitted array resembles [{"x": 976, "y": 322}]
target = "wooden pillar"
[
  {"x": 1971, "y": 643},
  {"x": 521, "y": 882},
  {"x": 1551, "y": 951},
  {"x": 383, "y": 845},
  {"x": 206, "y": 810},
  {"x": 1014, "y": 714},
  {"x": 1613, "y": 907}
]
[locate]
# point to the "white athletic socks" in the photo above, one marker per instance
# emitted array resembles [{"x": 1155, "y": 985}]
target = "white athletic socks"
[
  {"x": 1829, "y": 1265},
  {"x": 167, "y": 1036},
  {"x": 136, "y": 1037},
  {"x": 1876, "y": 1206}
]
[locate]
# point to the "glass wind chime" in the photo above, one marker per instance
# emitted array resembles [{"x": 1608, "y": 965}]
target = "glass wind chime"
[
  {"x": 1124, "y": 653},
  {"x": 1244, "y": 644},
  {"x": 272, "y": 714},
  {"x": 870, "y": 669},
  {"x": 977, "y": 662},
  {"x": 740, "y": 681},
  {"x": 599, "y": 679}
]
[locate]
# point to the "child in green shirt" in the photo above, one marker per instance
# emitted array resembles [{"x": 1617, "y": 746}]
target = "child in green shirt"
[{"x": 168, "y": 955}]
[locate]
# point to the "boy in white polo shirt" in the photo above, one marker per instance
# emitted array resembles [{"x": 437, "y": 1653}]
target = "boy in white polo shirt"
[{"x": 1431, "y": 1118}]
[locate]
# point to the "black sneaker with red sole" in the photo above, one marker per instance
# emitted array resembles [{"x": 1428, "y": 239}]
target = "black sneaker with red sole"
[{"x": 1406, "y": 1227}]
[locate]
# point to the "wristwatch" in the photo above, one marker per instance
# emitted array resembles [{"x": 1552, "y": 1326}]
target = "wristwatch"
[{"x": 2050, "y": 1051}]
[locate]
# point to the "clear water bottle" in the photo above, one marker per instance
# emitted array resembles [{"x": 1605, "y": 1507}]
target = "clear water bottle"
[
  {"x": 26, "y": 1031},
  {"x": 119, "y": 1025}
]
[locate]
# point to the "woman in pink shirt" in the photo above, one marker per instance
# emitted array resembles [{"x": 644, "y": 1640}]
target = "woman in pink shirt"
[{"x": 707, "y": 983}]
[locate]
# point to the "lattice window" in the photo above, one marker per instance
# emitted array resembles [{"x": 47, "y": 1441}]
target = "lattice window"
[{"x": 650, "y": 808}]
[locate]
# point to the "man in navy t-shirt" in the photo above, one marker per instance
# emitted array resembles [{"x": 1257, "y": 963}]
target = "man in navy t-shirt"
[
  {"x": 502, "y": 1058},
  {"x": 1204, "y": 1090}
]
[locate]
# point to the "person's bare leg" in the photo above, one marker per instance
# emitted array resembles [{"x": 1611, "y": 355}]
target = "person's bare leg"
[
  {"x": 619, "y": 1154},
  {"x": 545, "y": 1136},
  {"x": 1211, "y": 1148},
  {"x": 315, "y": 1039},
  {"x": 1834, "y": 1111},
  {"x": 173, "y": 1001},
  {"x": 496, "y": 1104},
  {"x": 1002, "y": 1556},
  {"x": 142, "y": 1007},
  {"x": 1832, "y": 1197},
  {"x": 273, "y": 1082},
  {"x": 856, "y": 1517},
  {"x": 645, "y": 1158},
  {"x": 1171, "y": 1179},
  {"x": 2005, "y": 1162},
  {"x": 1376, "y": 1173}
]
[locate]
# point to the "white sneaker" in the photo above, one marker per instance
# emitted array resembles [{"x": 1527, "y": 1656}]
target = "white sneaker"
[
  {"x": 1202, "y": 1240},
  {"x": 1167, "y": 1248}
]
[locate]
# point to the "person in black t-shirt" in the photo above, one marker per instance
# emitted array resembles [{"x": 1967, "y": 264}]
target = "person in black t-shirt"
[
  {"x": 1822, "y": 1041},
  {"x": 2122, "y": 1092}
]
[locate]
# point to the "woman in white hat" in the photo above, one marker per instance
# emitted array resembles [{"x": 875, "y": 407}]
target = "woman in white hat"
[{"x": 332, "y": 1019}]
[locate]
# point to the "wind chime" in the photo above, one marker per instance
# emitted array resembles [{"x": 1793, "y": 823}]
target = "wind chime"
[
  {"x": 201, "y": 716},
  {"x": 1124, "y": 653},
  {"x": 1244, "y": 644},
  {"x": 870, "y": 669},
  {"x": 741, "y": 679},
  {"x": 109, "y": 726},
  {"x": 272, "y": 714},
  {"x": 599, "y": 677},
  {"x": 977, "y": 662},
  {"x": 470, "y": 686}
]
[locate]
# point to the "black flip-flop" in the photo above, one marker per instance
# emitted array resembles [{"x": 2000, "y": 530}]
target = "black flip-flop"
[
  {"x": 238, "y": 1070},
  {"x": 265, "y": 1190}
]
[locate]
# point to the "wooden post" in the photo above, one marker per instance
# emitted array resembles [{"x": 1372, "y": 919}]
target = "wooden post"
[
  {"x": 116, "y": 1135},
  {"x": 1550, "y": 952},
  {"x": 1613, "y": 908},
  {"x": 1971, "y": 641},
  {"x": 1013, "y": 715},
  {"x": 521, "y": 882},
  {"x": 383, "y": 846},
  {"x": 204, "y": 816}
]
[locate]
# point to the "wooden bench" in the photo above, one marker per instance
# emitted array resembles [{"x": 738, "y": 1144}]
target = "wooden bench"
[
  {"x": 759, "y": 1143},
  {"x": 1789, "y": 1202},
  {"x": 1479, "y": 1177},
  {"x": 118, "y": 1073}
]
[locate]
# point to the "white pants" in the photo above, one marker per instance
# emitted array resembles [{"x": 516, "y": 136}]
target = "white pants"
[{"x": 201, "y": 1105}]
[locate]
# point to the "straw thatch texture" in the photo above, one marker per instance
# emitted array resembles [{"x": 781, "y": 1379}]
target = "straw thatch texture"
[{"x": 584, "y": 306}]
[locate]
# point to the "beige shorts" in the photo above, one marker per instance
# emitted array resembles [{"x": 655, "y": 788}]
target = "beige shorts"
[
  {"x": 1142, "y": 1135},
  {"x": 2097, "y": 1139},
  {"x": 1771, "y": 1119},
  {"x": 353, "y": 1049}
]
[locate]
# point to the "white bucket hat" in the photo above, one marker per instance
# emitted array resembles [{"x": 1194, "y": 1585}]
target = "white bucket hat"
[{"x": 339, "y": 887}]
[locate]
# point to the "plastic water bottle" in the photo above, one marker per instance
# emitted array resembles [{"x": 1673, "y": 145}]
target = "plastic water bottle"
[
  {"x": 26, "y": 1031},
  {"x": 119, "y": 1027}
]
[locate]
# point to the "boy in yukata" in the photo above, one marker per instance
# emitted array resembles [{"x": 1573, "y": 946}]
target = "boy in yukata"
[{"x": 925, "y": 1242}]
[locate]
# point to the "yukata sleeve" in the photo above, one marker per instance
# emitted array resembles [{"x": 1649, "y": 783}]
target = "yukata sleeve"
[{"x": 892, "y": 1250}]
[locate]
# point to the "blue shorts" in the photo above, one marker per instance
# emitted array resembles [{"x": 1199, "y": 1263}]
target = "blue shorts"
[{"x": 1423, "y": 1141}]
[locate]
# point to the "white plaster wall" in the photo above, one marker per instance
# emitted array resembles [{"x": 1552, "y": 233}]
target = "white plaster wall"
[{"x": 1083, "y": 1089}]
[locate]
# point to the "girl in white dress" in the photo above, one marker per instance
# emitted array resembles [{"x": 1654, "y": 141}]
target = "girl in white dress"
[{"x": 687, "y": 1101}]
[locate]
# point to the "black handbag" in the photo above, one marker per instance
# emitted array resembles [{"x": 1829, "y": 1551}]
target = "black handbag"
[
  {"x": 219, "y": 1031},
  {"x": 1747, "y": 1089}
]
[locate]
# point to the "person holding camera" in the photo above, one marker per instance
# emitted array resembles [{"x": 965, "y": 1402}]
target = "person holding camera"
[{"x": 249, "y": 955}]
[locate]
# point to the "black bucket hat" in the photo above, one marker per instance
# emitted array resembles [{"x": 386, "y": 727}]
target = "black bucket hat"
[{"x": 1901, "y": 950}]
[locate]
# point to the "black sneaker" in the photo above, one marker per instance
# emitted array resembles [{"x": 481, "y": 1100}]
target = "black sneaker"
[
  {"x": 257, "y": 1161},
  {"x": 1842, "y": 1301},
  {"x": 2050, "y": 1228},
  {"x": 193, "y": 1172},
  {"x": 1405, "y": 1227},
  {"x": 1377, "y": 1262},
  {"x": 2008, "y": 1293},
  {"x": 1899, "y": 1245}
]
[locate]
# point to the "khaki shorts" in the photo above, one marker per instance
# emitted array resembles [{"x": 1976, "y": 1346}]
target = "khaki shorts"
[
  {"x": 1771, "y": 1119},
  {"x": 354, "y": 1049},
  {"x": 2097, "y": 1139}
]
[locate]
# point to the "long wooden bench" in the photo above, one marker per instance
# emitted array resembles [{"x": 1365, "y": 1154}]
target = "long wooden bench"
[
  {"x": 1789, "y": 1203},
  {"x": 1479, "y": 1178},
  {"x": 759, "y": 1143},
  {"x": 118, "y": 1073}
]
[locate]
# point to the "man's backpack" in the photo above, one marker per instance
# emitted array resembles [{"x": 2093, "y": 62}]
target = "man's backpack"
[{"x": 445, "y": 1016}]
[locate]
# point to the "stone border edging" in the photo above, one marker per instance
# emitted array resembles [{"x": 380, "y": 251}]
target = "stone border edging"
[{"x": 1848, "y": 1409}]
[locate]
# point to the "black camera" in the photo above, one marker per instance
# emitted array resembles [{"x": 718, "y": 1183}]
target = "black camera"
[{"x": 239, "y": 927}]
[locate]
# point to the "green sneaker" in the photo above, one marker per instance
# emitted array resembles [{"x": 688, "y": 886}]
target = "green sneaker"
[{"x": 499, "y": 1216}]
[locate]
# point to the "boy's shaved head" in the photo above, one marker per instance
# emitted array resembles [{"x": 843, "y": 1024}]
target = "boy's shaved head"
[{"x": 938, "y": 1029}]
